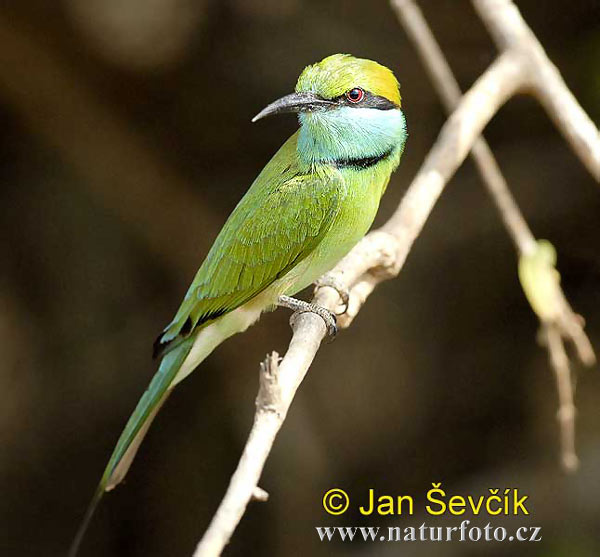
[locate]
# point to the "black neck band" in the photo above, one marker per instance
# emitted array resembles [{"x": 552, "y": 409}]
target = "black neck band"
[{"x": 362, "y": 162}]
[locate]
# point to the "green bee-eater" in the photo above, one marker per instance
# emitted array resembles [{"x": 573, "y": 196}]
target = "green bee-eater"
[{"x": 313, "y": 201}]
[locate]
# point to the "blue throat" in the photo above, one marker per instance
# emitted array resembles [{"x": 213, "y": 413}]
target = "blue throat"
[{"x": 351, "y": 137}]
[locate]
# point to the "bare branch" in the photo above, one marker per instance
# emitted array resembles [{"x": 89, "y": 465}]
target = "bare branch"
[
  {"x": 449, "y": 91},
  {"x": 277, "y": 387},
  {"x": 510, "y": 32},
  {"x": 270, "y": 413},
  {"x": 557, "y": 319},
  {"x": 559, "y": 362}
]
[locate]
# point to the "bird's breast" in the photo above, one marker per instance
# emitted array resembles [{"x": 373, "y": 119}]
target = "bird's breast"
[{"x": 355, "y": 216}]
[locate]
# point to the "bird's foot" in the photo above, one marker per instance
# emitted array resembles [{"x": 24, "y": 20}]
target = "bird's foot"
[
  {"x": 300, "y": 306},
  {"x": 343, "y": 292}
]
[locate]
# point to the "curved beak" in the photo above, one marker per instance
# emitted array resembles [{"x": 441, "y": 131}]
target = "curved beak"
[{"x": 296, "y": 102}]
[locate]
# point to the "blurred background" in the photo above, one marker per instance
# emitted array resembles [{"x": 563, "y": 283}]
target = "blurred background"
[{"x": 126, "y": 141}]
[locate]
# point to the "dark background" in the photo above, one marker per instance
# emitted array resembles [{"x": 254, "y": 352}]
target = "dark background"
[{"x": 126, "y": 141}]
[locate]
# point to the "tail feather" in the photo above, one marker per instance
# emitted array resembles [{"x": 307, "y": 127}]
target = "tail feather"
[
  {"x": 89, "y": 513},
  {"x": 122, "y": 466},
  {"x": 135, "y": 430}
]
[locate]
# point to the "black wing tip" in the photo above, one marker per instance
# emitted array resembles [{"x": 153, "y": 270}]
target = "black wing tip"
[{"x": 159, "y": 347}]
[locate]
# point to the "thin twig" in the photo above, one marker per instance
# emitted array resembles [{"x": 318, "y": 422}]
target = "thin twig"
[{"x": 559, "y": 361}]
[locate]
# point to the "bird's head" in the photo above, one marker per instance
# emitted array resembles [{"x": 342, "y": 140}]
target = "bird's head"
[
  {"x": 340, "y": 81},
  {"x": 348, "y": 107}
]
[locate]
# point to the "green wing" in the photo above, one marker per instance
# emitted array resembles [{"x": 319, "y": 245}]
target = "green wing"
[{"x": 279, "y": 222}]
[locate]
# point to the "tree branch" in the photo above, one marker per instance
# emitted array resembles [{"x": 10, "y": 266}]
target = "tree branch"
[
  {"x": 510, "y": 32},
  {"x": 380, "y": 256},
  {"x": 447, "y": 87},
  {"x": 564, "y": 322}
]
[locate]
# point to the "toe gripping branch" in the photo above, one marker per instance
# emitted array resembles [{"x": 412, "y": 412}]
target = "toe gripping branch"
[
  {"x": 300, "y": 306},
  {"x": 343, "y": 292}
]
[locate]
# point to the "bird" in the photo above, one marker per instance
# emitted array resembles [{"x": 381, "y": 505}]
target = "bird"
[{"x": 311, "y": 203}]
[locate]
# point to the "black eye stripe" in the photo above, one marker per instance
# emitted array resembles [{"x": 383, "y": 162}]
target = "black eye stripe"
[
  {"x": 370, "y": 101},
  {"x": 379, "y": 102}
]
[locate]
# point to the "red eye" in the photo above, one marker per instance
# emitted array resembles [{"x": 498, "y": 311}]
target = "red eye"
[{"x": 355, "y": 95}]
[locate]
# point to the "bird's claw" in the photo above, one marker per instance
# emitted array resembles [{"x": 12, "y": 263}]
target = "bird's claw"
[
  {"x": 300, "y": 306},
  {"x": 333, "y": 282},
  {"x": 327, "y": 316}
]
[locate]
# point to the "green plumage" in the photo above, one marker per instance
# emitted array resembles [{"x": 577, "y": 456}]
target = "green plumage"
[
  {"x": 275, "y": 226},
  {"x": 309, "y": 206}
]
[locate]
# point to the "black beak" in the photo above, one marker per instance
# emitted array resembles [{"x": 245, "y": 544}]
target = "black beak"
[{"x": 296, "y": 102}]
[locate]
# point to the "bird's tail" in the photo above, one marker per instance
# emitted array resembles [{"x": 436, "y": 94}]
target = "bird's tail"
[{"x": 135, "y": 430}]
